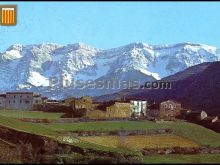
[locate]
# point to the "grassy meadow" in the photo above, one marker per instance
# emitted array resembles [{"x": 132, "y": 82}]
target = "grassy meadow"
[
  {"x": 30, "y": 114},
  {"x": 193, "y": 132},
  {"x": 184, "y": 135}
]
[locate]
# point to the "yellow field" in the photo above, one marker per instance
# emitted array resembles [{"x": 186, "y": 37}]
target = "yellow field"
[{"x": 141, "y": 141}]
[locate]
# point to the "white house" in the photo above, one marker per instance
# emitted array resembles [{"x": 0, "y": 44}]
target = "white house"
[{"x": 138, "y": 107}]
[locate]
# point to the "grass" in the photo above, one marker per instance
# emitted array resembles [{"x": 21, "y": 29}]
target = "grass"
[
  {"x": 45, "y": 130},
  {"x": 183, "y": 159},
  {"x": 193, "y": 132},
  {"x": 30, "y": 114},
  {"x": 86, "y": 144},
  {"x": 139, "y": 142},
  {"x": 33, "y": 128}
]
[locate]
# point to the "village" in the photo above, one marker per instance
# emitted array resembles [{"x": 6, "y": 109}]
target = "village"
[{"x": 85, "y": 109}]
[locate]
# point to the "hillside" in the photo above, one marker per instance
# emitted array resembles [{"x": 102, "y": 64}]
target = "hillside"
[
  {"x": 197, "y": 87},
  {"x": 37, "y": 138}
]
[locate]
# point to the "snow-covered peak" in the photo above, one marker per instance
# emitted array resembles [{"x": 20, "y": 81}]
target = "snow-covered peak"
[
  {"x": 15, "y": 47},
  {"x": 12, "y": 53},
  {"x": 35, "y": 64},
  {"x": 78, "y": 46}
]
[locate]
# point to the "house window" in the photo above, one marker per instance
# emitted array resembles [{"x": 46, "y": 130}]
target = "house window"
[
  {"x": 9, "y": 101},
  {"x": 36, "y": 101},
  {"x": 27, "y": 102}
]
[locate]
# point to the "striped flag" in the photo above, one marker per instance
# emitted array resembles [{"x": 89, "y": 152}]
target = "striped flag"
[{"x": 8, "y": 15}]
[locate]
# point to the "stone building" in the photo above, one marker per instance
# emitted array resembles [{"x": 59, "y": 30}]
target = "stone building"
[
  {"x": 119, "y": 110},
  {"x": 170, "y": 108},
  {"x": 2, "y": 101},
  {"x": 95, "y": 114},
  {"x": 105, "y": 110},
  {"x": 19, "y": 100},
  {"x": 83, "y": 102},
  {"x": 37, "y": 99}
]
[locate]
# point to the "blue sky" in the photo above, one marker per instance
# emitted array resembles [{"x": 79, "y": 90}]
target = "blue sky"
[{"x": 112, "y": 24}]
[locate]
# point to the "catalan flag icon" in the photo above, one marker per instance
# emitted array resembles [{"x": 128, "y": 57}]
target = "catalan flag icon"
[{"x": 8, "y": 15}]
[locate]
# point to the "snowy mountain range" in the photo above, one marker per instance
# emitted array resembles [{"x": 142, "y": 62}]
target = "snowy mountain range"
[{"x": 30, "y": 67}]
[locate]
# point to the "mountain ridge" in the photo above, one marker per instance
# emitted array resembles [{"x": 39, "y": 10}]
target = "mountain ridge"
[
  {"x": 37, "y": 63},
  {"x": 196, "y": 90}
]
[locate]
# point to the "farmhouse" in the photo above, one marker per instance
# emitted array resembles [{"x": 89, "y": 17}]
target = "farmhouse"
[
  {"x": 119, "y": 110},
  {"x": 170, "y": 108},
  {"x": 138, "y": 107},
  {"x": 83, "y": 102},
  {"x": 19, "y": 100},
  {"x": 2, "y": 101},
  {"x": 85, "y": 107},
  {"x": 37, "y": 99}
]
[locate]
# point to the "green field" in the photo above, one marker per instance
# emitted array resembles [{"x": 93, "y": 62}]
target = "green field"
[
  {"x": 194, "y": 159},
  {"x": 30, "y": 114},
  {"x": 46, "y": 130},
  {"x": 194, "y": 132}
]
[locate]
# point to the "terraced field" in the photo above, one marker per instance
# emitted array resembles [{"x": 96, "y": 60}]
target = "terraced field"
[
  {"x": 194, "y": 132},
  {"x": 184, "y": 134},
  {"x": 139, "y": 142}
]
